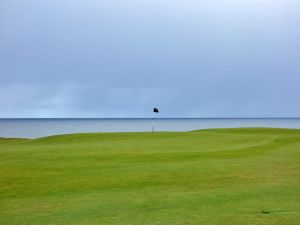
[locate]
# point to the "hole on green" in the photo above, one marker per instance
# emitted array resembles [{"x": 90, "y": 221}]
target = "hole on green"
[{"x": 265, "y": 212}]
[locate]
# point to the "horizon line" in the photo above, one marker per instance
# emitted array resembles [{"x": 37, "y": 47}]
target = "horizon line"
[{"x": 3, "y": 118}]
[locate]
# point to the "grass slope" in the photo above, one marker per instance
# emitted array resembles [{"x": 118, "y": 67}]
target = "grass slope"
[{"x": 215, "y": 177}]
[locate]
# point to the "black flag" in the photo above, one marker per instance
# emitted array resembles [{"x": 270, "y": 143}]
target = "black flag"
[{"x": 155, "y": 110}]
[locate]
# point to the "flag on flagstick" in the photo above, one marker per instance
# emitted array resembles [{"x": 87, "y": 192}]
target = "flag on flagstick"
[{"x": 155, "y": 110}]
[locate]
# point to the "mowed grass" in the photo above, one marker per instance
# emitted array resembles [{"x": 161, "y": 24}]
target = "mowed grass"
[{"x": 216, "y": 177}]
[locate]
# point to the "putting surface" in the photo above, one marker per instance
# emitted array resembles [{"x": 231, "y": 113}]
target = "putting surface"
[{"x": 216, "y": 177}]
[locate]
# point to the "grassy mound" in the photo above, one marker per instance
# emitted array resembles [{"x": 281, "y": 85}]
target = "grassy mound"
[{"x": 217, "y": 177}]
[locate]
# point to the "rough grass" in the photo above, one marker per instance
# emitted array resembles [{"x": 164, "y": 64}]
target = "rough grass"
[{"x": 215, "y": 177}]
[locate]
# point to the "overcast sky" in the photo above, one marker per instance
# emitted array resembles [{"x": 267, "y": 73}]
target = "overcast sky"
[{"x": 119, "y": 58}]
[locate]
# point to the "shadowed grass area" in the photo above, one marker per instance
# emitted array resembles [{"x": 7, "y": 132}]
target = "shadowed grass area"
[{"x": 218, "y": 177}]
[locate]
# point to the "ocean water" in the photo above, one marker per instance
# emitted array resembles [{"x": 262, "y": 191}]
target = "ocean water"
[{"x": 33, "y": 128}]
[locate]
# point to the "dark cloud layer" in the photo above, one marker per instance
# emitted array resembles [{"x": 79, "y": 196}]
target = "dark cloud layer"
[{"x": 119, "y": 58}]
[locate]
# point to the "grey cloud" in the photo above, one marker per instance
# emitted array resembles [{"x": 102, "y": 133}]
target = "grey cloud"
[{"x": 120, "y": 58}]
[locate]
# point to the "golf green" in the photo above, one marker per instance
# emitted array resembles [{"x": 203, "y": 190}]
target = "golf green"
[{"x": 237, "y": 176}]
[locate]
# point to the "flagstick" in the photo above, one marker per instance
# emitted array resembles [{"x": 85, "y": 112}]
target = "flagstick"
[{"x": 153, "y": 121}]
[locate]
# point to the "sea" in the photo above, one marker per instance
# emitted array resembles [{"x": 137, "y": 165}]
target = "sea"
[{"x": 35, "y": 128}]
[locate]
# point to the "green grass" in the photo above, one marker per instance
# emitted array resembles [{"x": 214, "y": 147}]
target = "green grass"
[{"x": 216, "y": 177}]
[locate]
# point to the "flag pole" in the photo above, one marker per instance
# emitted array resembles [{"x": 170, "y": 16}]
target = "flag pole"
[{"x": 153, "y": 121}]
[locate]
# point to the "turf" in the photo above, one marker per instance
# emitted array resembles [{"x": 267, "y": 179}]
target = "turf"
[{"x": 217, "y": 177}]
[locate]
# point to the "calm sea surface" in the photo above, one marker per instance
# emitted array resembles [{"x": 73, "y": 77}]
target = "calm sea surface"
[{"x": 32, "y": 128}]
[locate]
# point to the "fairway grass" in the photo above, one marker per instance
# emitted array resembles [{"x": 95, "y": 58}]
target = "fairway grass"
[{"x": 236, "y": 176}]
